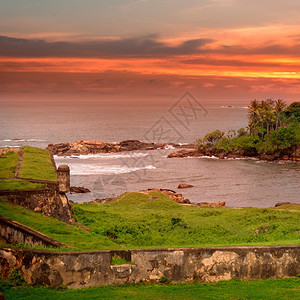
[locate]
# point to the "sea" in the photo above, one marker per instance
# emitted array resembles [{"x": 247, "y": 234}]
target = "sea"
[{"x": 238, "y": 182}]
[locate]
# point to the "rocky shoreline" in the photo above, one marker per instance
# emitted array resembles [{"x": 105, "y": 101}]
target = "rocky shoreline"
[
  {"x": 290, "y": 154},
  {"x": 187, "y": 150},
  {"x": 173, "y": 195},
  {"x": 94, "y": 147}
]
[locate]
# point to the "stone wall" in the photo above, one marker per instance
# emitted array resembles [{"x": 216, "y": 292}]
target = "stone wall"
[
  {"x": 46, "y": 201},
  {"x": 16, "y": 233},
  {"x": 84, "y": 269}
]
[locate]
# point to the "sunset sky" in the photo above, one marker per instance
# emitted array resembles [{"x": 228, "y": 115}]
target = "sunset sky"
[{"x": 217, "y": 49}]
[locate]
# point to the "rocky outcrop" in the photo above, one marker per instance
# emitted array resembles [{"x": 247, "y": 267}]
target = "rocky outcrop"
[
  {"x": 184, "y": 186},
  {"x": 184, "y": 153},
  {"x": 289, "y": 154},
  {"x": 172, "y": 194},
  {"x": 285, "y": 203},
  {"x": 79, "y": 190},
  {"x": 212, "y": 204},
  {"x": 94, "y": 147}
]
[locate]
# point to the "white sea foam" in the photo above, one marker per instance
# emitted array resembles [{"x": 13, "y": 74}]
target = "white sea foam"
[
  {"x": 10, "y": 146},
  {"x": 104, "y": 155},
  {"x": 23, "y": 140},
  {"x": 169, "y": 147},
  {"x": 182, "y": 144},
  {"x": 35, "y": 140},
  {"x": 83, "y": 169}
]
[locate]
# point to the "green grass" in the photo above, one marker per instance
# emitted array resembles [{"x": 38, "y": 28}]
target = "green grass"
[
  {"x": 8, "y": 164},
  {"x": 131, "y": 221},
  {"x": 17, "y": 184},
  {"x": 117, "y": 260},
  {"x": 275, "y": 289},
  {"x": 37, "y": 164},
  {"x": 71, "y": 235}
]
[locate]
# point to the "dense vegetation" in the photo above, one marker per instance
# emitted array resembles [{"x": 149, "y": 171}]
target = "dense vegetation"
[
  {"x": 36, "y": 164},
  {"x": 272, "y": 126},
  {"x": 280, "y": 289},
  {"x": 131, "y": 221}
]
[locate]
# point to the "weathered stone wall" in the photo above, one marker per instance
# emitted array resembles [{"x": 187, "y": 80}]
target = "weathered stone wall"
[
  {"x": 46, "y": 201},
  {"x": 16, "y": 233},
  {"x": 84, "y": 269}
]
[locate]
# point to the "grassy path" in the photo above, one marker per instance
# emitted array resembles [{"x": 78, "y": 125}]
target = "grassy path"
[{"x": 274, "y": 289}]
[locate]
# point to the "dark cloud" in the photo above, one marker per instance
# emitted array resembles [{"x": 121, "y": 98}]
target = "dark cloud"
[
  {"x": 268, "y": 49},
  {"x": 147, "y": 46},
  {"x": 141, "y": 46}
]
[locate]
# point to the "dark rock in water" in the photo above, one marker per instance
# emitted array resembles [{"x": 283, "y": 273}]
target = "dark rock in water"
[
  {"x": 131, "y": 145},
  {"x": 79, "y": 190},
  {"x": 269, "y": 157},
  {"x": 282, "y": 203},
  {"x": 184, "y": 186},
  {"x": 101, "y": 201},
  {"x": 182, "y": 153},
  {"x": 94, "y": 147},
  {"x": 286, "y": 203}
]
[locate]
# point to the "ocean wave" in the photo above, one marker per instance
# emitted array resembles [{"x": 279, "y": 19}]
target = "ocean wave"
[
  {"x": 103, "y": 155},
  {"x": 169, "y": 147},
  {"x": 23, "y": 140},
  {"x": 9, "y": 146},
  {"x": 80, "y": 169},
  {"x": 35, "y": 140},
  {"x": 233, "y": 106}
]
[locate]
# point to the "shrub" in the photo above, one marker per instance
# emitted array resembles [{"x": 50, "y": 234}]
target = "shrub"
[
  {"x": 225, "y": 144},
  {"x": 283, "y": 138},
  {"x": 212, "y": 137}
]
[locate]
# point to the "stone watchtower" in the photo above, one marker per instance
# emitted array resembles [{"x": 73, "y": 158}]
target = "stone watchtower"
[{"x": 63, "y": 179}]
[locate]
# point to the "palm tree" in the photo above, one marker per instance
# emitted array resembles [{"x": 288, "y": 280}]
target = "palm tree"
[
  {"x": 253, "y": 111},
  {"x": 280, "y": 105}
]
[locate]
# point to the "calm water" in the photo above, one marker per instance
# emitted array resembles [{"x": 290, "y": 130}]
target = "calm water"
[{"x": 238, "y": 182}]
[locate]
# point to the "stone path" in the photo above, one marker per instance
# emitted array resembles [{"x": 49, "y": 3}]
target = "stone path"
[{"x": 20, "y": 159}]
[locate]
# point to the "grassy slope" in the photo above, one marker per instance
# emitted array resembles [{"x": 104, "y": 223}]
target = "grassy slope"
[
  {"x": 280, "y": 289},
  {"x": 37, "y": 164},
  {"x": 131, "y": 221},
  {"x": 135, "y": 222},
  {"x": 8, "y": 164},
  {"x": 71, "y": 235},
  {"x": 16, "y": 184}
]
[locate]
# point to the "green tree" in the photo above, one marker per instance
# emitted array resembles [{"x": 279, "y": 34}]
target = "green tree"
[
  {"x": 292, "y": 112},
  {"x": 280, "y": 105}
]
